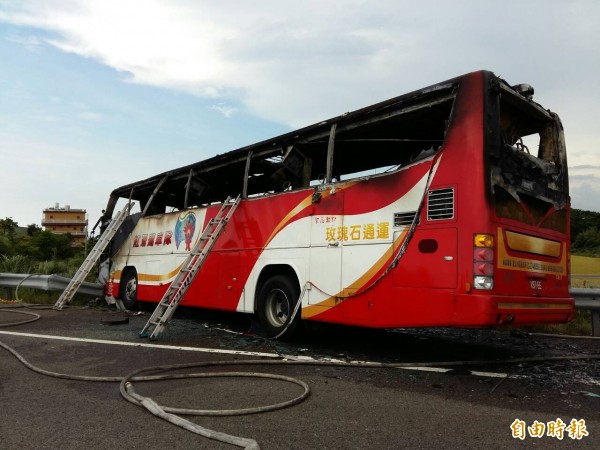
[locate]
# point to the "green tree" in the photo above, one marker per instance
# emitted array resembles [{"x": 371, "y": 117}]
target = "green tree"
[
  {"x": 5, "y": 248},
  {"x": 582, "y": 220},
  {"x": 46, "y": 246},
  {"x": 8, "y": 228},
  {"x": 63, "y": 246},
  {"x": 587, "y": 240},
  {"x": 33, "y": 229}
]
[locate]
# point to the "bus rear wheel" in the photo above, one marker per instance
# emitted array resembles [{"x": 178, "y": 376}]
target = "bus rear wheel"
[
  {"x": 276, "y": 302},
  {"x": 129, "y": 284}
]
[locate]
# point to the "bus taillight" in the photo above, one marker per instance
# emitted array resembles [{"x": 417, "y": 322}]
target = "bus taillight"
[{"x": 483, "y": 261}]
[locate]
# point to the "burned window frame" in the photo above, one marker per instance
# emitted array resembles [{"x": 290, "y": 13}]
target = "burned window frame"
[
  {"x": 529, "y": 188},
  {"x": 394, "y": 133}
]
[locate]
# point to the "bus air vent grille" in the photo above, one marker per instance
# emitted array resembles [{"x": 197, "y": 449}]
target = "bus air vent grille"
[
  {"x": 440, "y": 204},
  {"x": 404, "y": 219}
]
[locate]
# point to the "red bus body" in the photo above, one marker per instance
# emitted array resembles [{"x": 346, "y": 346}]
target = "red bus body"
[{"x": 352, "y": 248}]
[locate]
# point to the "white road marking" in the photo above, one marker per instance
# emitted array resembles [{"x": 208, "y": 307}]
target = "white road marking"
[
  {"x": 235, "y": 352},
  {"x": 141, "y": 344},
  {"x": 477, "y": 373}
]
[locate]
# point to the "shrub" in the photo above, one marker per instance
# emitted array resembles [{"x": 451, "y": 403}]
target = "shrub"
[{"x": 17, "y": 264}]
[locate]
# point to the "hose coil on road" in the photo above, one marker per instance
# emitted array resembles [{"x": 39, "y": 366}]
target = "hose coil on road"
[{"x": 171, "y": 414}]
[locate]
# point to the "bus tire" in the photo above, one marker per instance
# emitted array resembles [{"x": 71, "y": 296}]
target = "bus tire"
[
  {"x": 129, "y": 284},
  {"x": 276, "y": 302}
]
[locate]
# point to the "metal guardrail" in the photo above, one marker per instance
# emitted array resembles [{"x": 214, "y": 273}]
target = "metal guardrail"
[
  {"x": 589, "y": 298},
  {"x": 585, "y": 298},
  {"x": 592, "y": 281},
  {"x": 55, "y": 283}
]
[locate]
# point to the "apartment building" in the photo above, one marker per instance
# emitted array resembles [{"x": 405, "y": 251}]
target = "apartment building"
[{"x": 62, "y": 220}]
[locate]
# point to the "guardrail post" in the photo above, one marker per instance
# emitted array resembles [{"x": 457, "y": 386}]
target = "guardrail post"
[
  {"x": 595, "y": 323},
  {"x": 8, "y": 293}
]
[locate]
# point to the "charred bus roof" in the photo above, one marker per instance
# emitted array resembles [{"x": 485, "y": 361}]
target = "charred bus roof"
[{"x": 409, "y": 125}]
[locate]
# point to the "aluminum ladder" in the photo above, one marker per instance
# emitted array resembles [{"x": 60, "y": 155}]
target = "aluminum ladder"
[
  {"x": 92, "y": 258},
  {"x": 189, "y": 268}
]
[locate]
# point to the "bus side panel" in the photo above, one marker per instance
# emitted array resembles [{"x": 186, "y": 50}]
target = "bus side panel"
[
  {"x": 366, "y": 239},
  {"x": 222, "y": 281},
  {"x": 155, "y": 249},
  {"x": 421, "y": 290},
  {"x": 430, "y": 260}
]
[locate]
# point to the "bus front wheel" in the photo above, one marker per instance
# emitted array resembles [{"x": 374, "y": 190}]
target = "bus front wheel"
[
  {"x": 276, "y": 302},
  {"x": 129, "y": 284}
]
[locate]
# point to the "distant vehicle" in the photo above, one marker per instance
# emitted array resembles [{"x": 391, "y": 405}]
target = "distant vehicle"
[{"x": 447, "y": 206}]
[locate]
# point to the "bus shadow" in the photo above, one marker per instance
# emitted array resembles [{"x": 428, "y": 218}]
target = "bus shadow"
[{"x": 331, "y": 341}]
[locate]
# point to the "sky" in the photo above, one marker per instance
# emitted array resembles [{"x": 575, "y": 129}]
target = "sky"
[{"x": 96, "y": 94}]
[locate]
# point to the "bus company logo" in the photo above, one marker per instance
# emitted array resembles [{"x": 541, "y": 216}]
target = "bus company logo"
[
  {"x": 153, "y": 239},
  {"x": 184, "y": 230},
  {"x": 366, "y": 231},
  {"x": 532, "y": 265}
]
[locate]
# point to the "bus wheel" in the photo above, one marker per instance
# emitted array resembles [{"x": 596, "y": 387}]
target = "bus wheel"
[
  {"x": 129, "y": 289},
  {"x": 276, "y": 302}
]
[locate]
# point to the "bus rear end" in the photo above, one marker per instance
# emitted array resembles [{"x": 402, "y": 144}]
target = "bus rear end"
[{"x": 521, "y": 263}]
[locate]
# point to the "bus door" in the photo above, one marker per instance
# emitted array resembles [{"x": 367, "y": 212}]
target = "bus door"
[{"x": 326, "y": 241}]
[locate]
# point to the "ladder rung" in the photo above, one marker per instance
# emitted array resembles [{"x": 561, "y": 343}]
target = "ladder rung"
[
  {"x": 190, "y": 267},
  {"x": 92, "y": 257}
]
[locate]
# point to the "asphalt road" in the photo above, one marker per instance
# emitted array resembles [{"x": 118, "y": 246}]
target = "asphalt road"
[{"x": 350, "y": 408}]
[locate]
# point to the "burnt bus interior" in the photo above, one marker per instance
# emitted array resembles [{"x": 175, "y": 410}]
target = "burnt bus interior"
[
  {"x": 387, "y": 135},
  {"x": 528, "y": 162},
  {"x": 381, "y": 137}
]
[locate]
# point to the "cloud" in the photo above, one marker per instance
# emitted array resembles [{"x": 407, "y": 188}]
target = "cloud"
[
  {"x": 90, "y": 116},
  {"x": 585, "y": 167},
  {"x": 44, "y": 173},
  {"x": 158, "y": 44},
  {"x": 585, "y": 189},
  {"x": 224, "y": 109},
  {"x": 301, "y": 62},
  {"x": 31, "y": 43}
]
